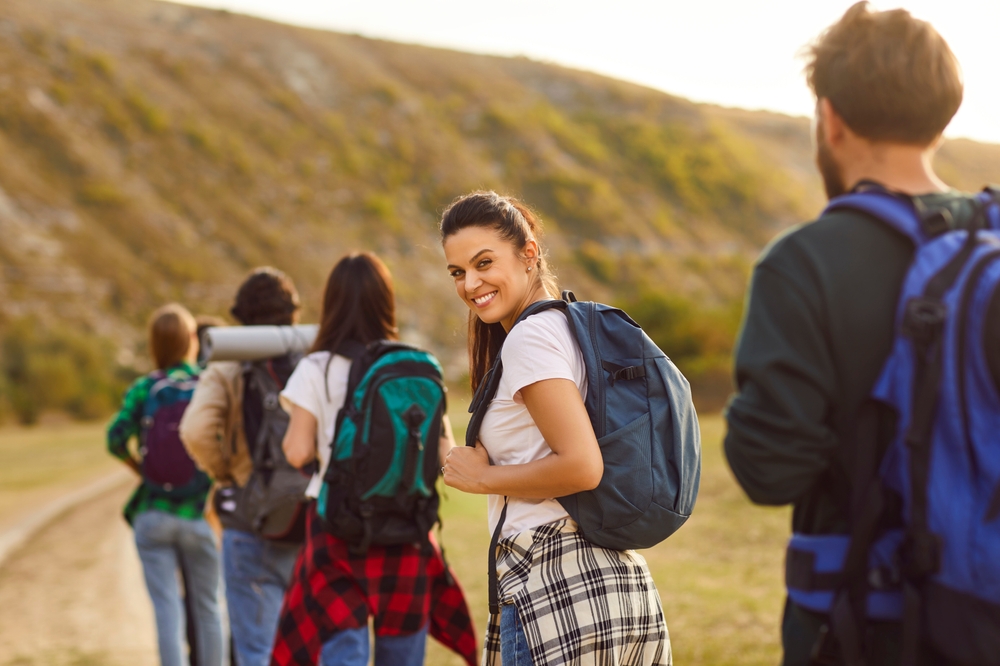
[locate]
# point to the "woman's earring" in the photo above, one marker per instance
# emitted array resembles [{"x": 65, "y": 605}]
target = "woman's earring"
[{"x": 529, "y": 268}]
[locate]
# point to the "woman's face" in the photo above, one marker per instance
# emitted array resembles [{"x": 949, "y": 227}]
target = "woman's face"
[{"x": 491, "y": 277}]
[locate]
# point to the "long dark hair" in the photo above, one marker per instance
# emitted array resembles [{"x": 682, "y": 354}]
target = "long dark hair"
[
  {"x": 513, "y": 222},
  {"x": 359, "y": 304}
]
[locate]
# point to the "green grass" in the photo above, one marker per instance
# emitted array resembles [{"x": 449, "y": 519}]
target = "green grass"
[{"x": 719, "y": 577}]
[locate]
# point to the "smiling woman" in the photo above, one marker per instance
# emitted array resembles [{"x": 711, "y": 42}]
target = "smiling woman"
[{"x": 536, "y": 444}]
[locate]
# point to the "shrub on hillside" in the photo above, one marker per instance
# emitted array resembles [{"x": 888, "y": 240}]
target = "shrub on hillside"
[
  {"x": 69, "y": 371},
  {"x": 698, "y": 338}
]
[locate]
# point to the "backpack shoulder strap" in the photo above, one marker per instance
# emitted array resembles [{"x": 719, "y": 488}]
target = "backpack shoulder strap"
[
  {"x": 266, "y": 383},
  {"x": 162, "y": 380},
  {"x": 894, "y": 210},
  {"x": 989, "y": 199},
  {"x": 491, "y": 382},
  {"x": 364, "y": 356},
  {"x": 542, "y": 306}
]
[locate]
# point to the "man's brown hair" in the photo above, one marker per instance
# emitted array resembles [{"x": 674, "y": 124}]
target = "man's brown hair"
[
  {"x": 891, "y": 77},
  {"x": 170, "y": 329},
  {"x": 267, "y": 297}
]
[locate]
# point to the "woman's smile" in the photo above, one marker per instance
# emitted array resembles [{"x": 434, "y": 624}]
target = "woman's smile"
[{"x": 485, "y": 299}]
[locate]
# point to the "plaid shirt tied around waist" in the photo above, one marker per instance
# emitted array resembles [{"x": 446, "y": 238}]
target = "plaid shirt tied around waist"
[
  {"x": 578, "y": 603},
  {"x": 401, "y": 587}
]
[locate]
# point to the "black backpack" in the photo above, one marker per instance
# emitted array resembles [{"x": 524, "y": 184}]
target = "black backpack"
[
  {"x": 380, "y": 485},
  {"x": 273, "y": 500}
]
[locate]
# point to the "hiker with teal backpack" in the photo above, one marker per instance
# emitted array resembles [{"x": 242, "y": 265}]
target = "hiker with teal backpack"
[
  {"x": 868, "y": 369},
  {"x": 371, "y": 412},
  {"x": 584, "y": 438},
  {"x": 166, "y": 510}
]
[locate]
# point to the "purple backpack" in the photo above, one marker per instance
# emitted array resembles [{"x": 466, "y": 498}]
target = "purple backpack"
[{"x": 166, "y": 465}]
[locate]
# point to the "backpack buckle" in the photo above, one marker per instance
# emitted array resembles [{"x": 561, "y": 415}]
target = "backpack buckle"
[
  {"x": 937, "y": 222},
  {"x": 825, "y": 650},
  {"x": 924, "y": 320},
  {"x": 884, "y": 578},
  {"x": 619, "y": 372}
]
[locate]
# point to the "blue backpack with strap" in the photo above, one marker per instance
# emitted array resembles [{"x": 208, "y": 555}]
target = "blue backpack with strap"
[
  {"x": 939, "y": 572},
  {"x": 640, "y": 406}
]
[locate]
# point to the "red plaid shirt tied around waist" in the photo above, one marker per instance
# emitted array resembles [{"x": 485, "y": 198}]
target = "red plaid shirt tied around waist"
[{"x": 401, "y": 587}]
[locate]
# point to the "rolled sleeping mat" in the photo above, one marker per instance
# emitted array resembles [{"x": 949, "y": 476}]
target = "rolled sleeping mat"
[{"x": 252, "y": 343}]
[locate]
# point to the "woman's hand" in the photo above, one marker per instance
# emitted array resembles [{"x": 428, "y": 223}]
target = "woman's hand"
[{"x": 465, "y": 467}]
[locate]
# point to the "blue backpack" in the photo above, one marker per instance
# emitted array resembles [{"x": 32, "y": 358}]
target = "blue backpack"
[
  {"x": 640, "y": 406},
  {"x": 939, "y": 571}
]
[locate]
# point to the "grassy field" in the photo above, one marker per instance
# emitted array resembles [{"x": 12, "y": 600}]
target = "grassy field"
[
  {"x": 720, "y": 577},
  {"x": 38, "y": 460}
]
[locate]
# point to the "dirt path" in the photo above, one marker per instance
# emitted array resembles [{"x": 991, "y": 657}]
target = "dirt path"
[{"x": 74, "y": 594}]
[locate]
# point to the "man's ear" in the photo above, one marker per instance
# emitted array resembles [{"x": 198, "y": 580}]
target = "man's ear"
[{"x": 832, "y": 125}]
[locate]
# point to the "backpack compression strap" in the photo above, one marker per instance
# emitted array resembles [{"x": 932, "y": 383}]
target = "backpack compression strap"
[{"x": 487, "y": 389}]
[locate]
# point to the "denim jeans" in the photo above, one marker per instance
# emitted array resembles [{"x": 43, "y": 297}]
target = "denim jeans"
[
  {"x": 257, "y": 572},
  {"x": 513, "y": 643},
  {"x": 167, "y": 544},
  {"x": 350, "y": 648}
]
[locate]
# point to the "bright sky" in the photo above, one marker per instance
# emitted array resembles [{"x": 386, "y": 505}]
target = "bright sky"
[{"x": 730, "y": 52}]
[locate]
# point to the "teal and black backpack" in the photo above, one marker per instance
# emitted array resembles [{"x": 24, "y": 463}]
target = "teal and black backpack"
[{"x": 379, "y": 487}]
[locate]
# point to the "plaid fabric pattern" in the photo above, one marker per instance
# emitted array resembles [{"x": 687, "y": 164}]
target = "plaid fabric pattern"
[
  {"x": 399, "y": 586},
  {"x": 125, "y": 425},
  {"x": 579, "y": 603}
]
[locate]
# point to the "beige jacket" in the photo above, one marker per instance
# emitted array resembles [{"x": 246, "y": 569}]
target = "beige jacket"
[{"x": 212, "y": 426}]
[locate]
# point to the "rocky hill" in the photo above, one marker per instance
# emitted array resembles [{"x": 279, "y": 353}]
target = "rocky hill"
[{"x": 153, "y": 152}]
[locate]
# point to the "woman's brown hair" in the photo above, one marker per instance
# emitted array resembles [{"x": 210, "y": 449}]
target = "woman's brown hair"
[
  {"x": 171, "y": 330},
  {"x": 514, "y": 222},
  {"x": 359, "y": 304}
]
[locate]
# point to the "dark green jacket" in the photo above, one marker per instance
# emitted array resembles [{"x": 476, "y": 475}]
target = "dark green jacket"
[{"x": 817, "y": 328}]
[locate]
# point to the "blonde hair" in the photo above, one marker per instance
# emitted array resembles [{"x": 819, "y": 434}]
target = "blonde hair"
[{"x": 171, "y": 333}]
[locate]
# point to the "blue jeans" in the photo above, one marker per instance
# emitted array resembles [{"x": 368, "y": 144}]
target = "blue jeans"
[
  {"x": 257, "y": 572},
  {"x": 513, "y": 643},
  {"x": 166, "y": 544},
  {"x": 350, "y": 648}
]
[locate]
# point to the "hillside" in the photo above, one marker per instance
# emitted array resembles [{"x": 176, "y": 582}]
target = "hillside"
[{"x": 155, "y": 152}]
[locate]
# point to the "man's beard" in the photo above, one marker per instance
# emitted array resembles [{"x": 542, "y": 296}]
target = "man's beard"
[{"x": 833, "y": 181}]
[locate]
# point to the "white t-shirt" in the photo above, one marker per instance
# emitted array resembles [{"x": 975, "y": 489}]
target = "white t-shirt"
[
  {"x": 307, "y": 388},
  {"x": 540, "y": 347}
]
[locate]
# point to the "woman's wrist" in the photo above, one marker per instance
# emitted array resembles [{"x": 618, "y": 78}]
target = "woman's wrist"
[{"x": 484, "y": 485}]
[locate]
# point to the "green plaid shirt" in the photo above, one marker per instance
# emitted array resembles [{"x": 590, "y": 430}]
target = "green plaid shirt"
[{"x": 127, "y": 424}]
